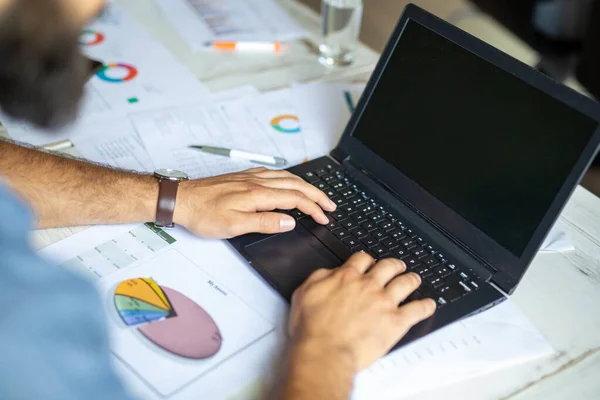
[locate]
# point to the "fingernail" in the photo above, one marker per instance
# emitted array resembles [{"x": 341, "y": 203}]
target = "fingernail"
[
  {"x": 417, "y": 276},
  {"x": 433, "y": 304},
  {"x": 287, "y": 223},
  {"x": 333, "y": 205}
]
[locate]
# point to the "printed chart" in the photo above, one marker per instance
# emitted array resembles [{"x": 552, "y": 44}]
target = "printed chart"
[
  {"x": 170, "y": 320},
  {"x": 121, "y": 252},
  {"x": 176, "y": 322}
]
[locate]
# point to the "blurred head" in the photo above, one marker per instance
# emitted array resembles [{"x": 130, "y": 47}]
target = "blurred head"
[{"x": 42, "y": 72}]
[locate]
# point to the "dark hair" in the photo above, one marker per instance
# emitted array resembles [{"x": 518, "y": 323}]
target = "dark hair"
[{"x": 42, "y": 71}]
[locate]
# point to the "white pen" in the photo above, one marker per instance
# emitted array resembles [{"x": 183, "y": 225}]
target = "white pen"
[
  {"x": 58, "y": 146},
  {"x": 256, "y": 158}
]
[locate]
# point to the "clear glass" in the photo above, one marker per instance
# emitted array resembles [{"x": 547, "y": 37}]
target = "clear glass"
[{"x": 340, "y": 27}]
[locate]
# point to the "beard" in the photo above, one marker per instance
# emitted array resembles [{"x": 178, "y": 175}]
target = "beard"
[{"x": 42, "y": 71}]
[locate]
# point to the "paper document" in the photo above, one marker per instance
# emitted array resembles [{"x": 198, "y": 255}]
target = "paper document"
[
  {"x": 117, "y": 143},
  {"x": 203, "y": 21},
  {"x": 264, "y": 124},
  {"x": 324, "y": 110},
  {"x": 203, "y": 271},
  {"x": 207, "y": 287},
  {"x": 138, "y": 74},
  {"x": 490, "y": 341},
  {"x": 557, "y": 241}
]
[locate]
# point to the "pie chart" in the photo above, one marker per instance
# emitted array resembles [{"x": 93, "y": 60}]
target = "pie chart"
[{"x": 167, "y": 318}]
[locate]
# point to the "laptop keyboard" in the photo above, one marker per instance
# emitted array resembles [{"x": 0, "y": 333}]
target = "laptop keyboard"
[{"x": 360, "y": 223}]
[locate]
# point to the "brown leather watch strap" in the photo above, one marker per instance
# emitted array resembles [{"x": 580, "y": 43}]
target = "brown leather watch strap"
[{"x": 167, "y": 194}]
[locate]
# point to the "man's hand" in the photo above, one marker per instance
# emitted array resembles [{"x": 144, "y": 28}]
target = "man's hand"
[
  {"x": 343, "y": 320},
  {"x": 235, "y": 204}
]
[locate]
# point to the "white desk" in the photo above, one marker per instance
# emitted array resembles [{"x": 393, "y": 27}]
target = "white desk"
[{"x": 560, "y": 293}]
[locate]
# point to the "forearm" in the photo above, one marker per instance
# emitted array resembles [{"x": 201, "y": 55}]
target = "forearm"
[
  {"x": 317, "y": 373},
  {"x": 68, "y": 192}
]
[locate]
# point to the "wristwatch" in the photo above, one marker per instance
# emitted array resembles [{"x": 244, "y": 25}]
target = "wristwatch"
[{"x": 168, "y": 183}]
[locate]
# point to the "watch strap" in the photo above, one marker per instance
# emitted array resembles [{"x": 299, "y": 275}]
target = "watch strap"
[{"x": 165, "y": 208}]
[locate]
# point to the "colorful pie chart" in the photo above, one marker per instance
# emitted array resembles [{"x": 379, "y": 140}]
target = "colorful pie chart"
[
  {"x": 90, "y": 37},
  {"x": 167, "y": 318},
  {"x": 117, "y": 73},
  {"x": 286, "y": 124}
]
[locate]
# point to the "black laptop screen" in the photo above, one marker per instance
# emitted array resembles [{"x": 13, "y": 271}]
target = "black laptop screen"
[{"x": 488, "y": 145}]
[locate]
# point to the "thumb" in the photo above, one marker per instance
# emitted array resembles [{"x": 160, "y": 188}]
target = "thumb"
[{"x": 263, "y": 222}]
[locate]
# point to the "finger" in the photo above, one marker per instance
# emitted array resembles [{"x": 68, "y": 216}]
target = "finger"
[
  {"x": 256, "y": 170},
  {"x": 269, "y": 199},
  {"x": 414, "y": 312},
  {"x": 360, "y": 261},
  {"x": 261, "y": 222},
  {"x": 402, "y": 286},
  {"x": 309, "y": 190},
  {"x": 318, "y": 275},
  {"x": 386, "y": 270},
  {"x": 274, "y": 174}
]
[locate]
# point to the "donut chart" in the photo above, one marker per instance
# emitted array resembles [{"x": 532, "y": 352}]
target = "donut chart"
[
  {"x": 286, "y": 124},
  {"x": 106, "y": 73},
  {"x": 167, "y": 318},
  {"x": 90, "y": 37}
]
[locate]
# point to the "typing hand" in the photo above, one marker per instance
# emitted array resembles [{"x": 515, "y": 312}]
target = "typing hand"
[
  {"x": 353, "y": 310},
  {"x": 235, "y": 204}
]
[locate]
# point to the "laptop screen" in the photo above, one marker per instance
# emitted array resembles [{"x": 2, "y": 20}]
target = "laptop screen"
[{"x": 488, "y": 145}]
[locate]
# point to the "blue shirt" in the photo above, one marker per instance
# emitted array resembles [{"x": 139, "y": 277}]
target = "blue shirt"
[{"x": 53, "y": 339}]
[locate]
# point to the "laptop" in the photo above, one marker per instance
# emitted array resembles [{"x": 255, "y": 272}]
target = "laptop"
[{"x": 458, "y": 159}]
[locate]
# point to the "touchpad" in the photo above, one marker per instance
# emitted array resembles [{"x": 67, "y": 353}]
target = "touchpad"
[{"x": 288, "y": 259}]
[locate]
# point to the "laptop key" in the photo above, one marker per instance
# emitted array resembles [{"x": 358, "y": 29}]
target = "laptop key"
[
  {"x": 441, "y": 302},
  {"x": 349, "y": 224},
  {"x": 339, "y": 201},
  {"x": 434, "y": 280},
  {"x": 379, "y": 234},
  {"x": 376, "y": 217},
  {"x": 330, "y": 179},
  {"x": 408, "y": 244},
  {"x": 463, "y": 276},
  {"x": 332, "y": 225},
  {"x": 330, "y": 193},
  {"x": 351, "y": 242},
  {"x": 423, "y": 270},
  {"x": 442, "y": 271},
  {"x": 339, "y": 215},
  {"x": 357, "y": 201},
  {"x": 397, "y": 235},
  {"x": 369, "y": 241},
  {"x": 390, "y": 243},
  {"x": 369, "y": 225},
  {"x": 379, "y": 251},
  {"x": 430, "y": 261},
  {"x": 359, "y": 232},
  {"x": 341, "y": 233},
  {"x": 385, "y": 225},
  {"x": 411, "y": 262},
  {"x": 474, "y": 285},
  {"x": 359, "y": 217},
  {"x": 321, "y": 185},
  {"x": 321, "y": 172},
  {"x": 297, "y": 214},
  {"x": 310, "y": 177},
  {"x": 411, "y": 234},
  {"x": 419, "y": 252},
  {"x": 449, "y": 293},
  {"x": 349, "y": 209},
  {"x": 401, "y": 253}
]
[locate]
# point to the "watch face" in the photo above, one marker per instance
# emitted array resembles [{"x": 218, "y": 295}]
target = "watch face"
[{"x": 168, "y": 173}]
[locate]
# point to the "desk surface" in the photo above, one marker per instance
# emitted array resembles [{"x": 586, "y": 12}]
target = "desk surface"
[{"x": 560, "y": 293}]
